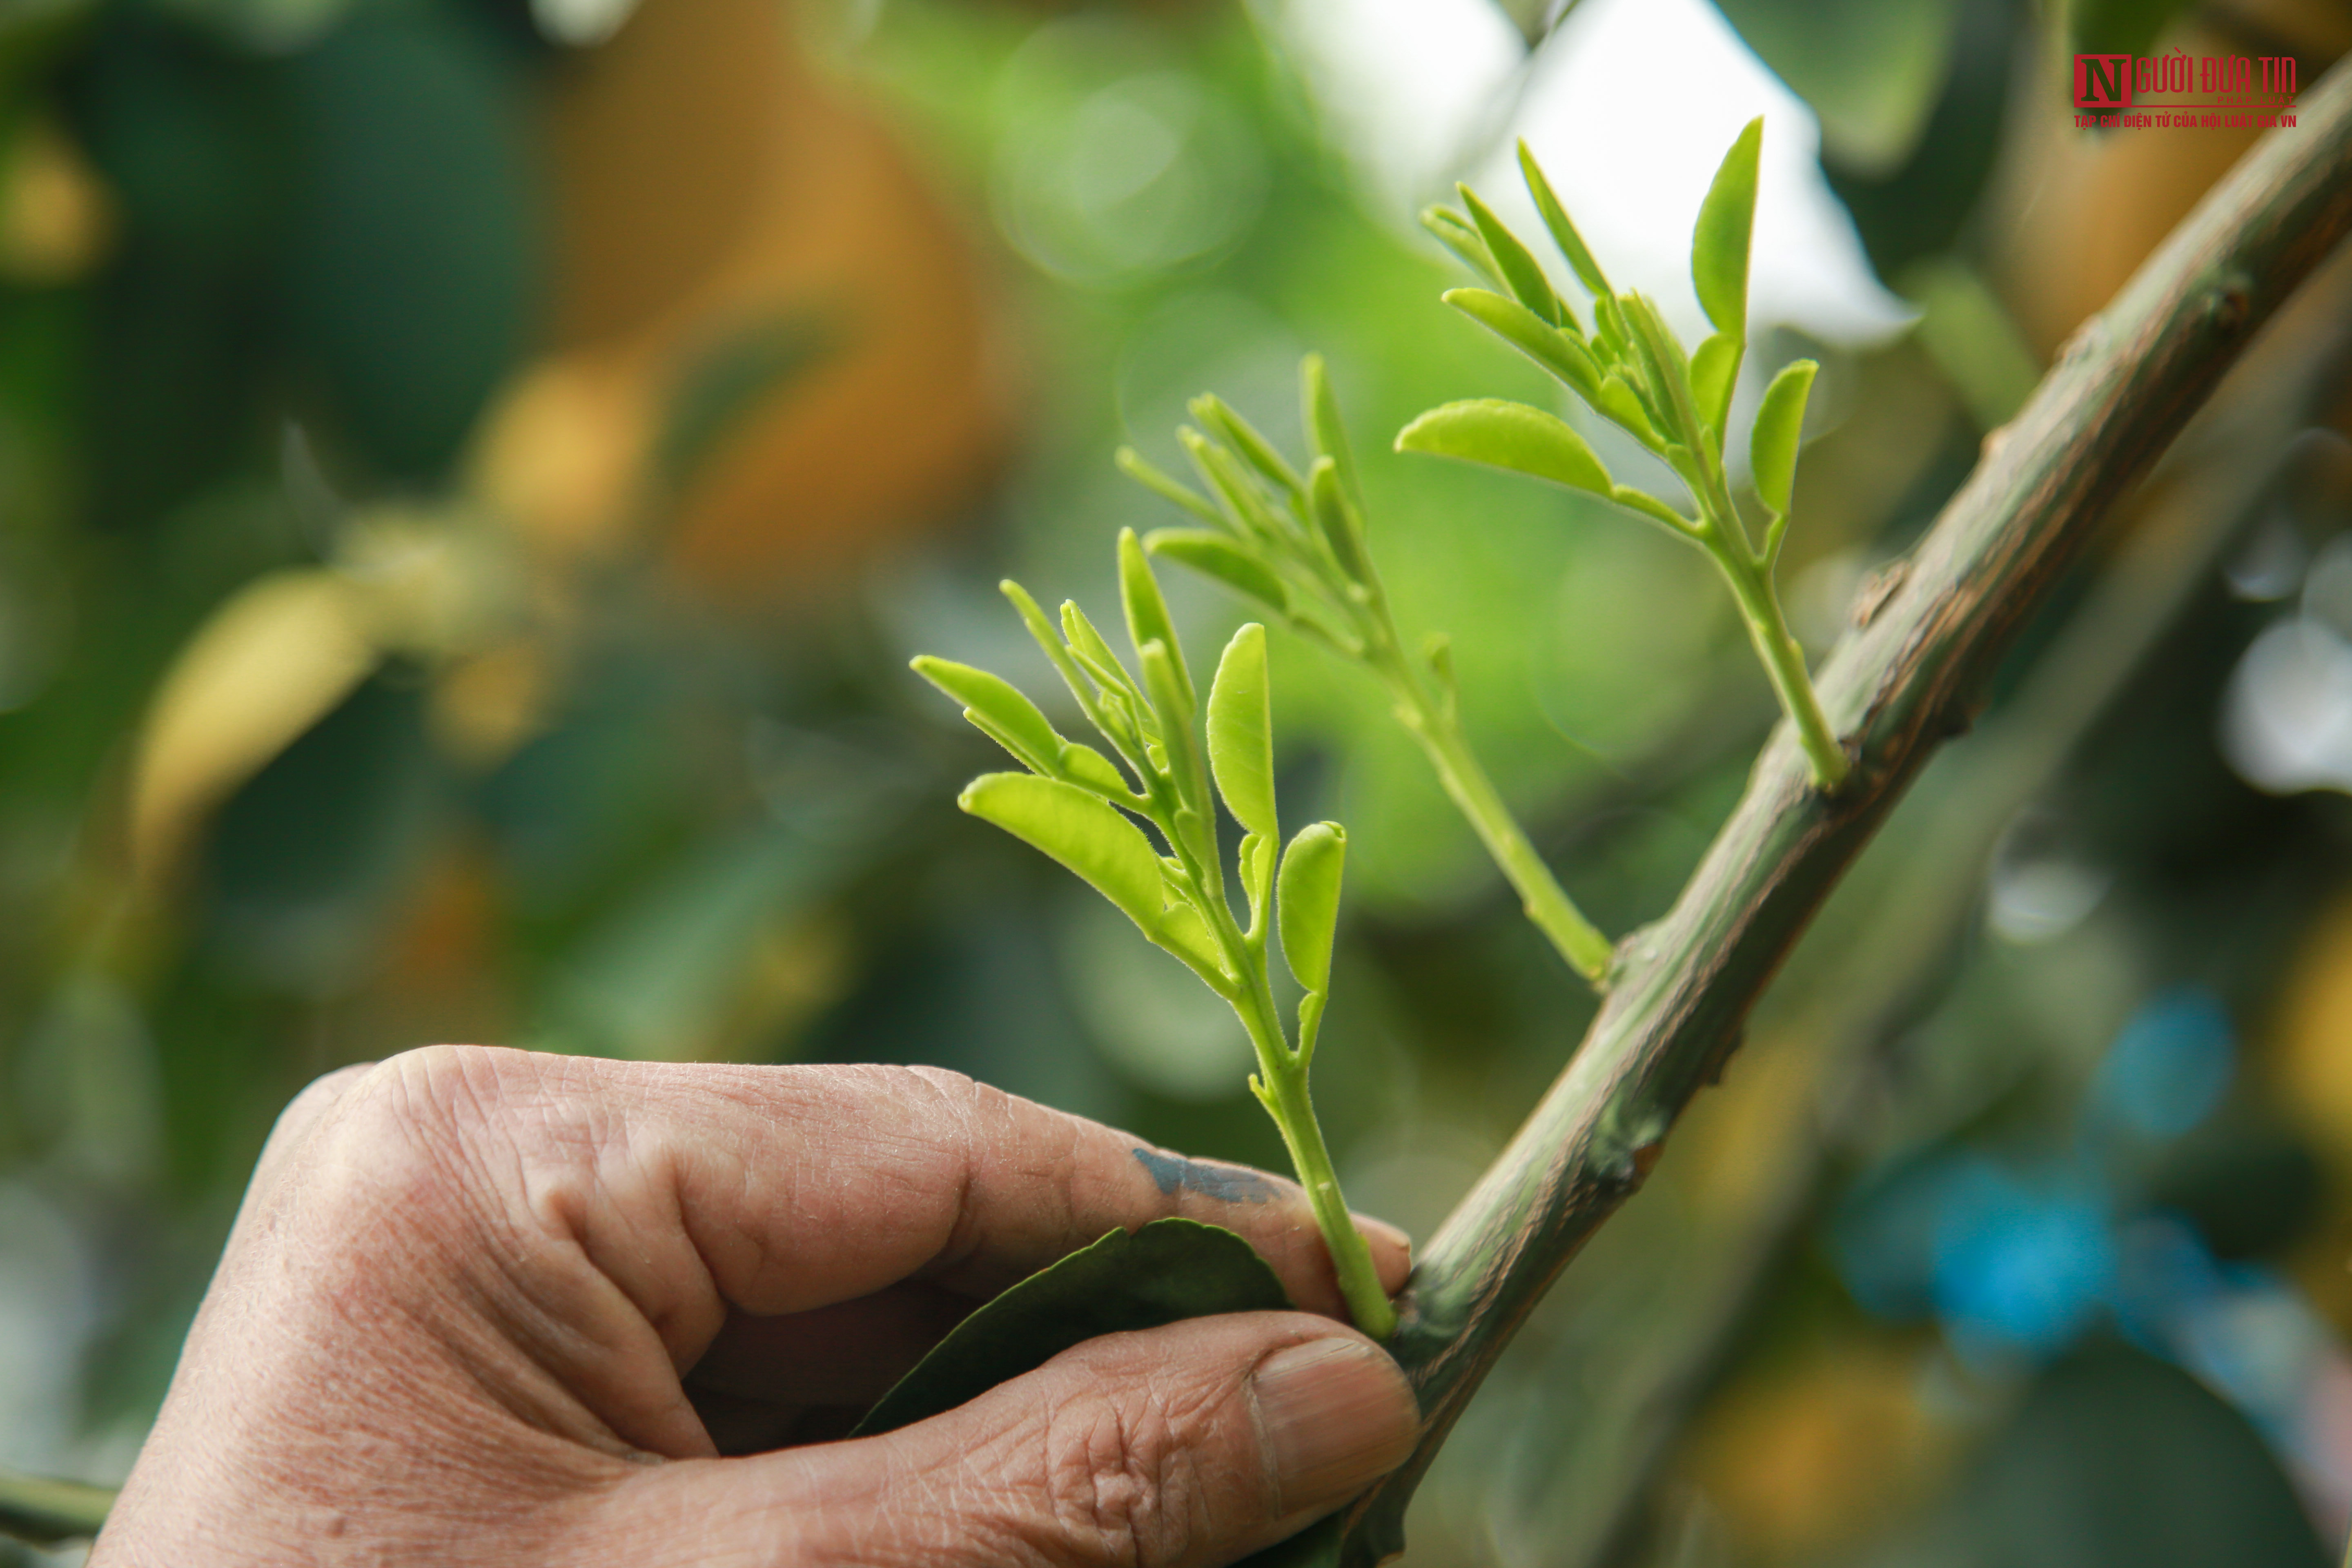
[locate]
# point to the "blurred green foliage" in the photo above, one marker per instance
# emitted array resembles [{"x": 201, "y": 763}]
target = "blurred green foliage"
[{"x": 593, "y": 797}]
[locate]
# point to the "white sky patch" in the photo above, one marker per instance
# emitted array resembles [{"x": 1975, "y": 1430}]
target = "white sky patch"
[
  {"x": 1407, "y": 87},
  {"x": 1629, "y": 108}
]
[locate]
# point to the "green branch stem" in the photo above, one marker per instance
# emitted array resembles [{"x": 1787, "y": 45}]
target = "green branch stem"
[
  {"x": 1784, "y": 661},
  {"x": 1435, "y": 725},
  {"x": 1281, "y": 1086},
  {"x": 1438, "y": 732},
  {"x": 1908, "y": 680},
  {"x": 47, "y": 1512}
]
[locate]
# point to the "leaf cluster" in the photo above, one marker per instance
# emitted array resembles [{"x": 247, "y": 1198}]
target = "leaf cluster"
[
  {"x": 1090, "y": 813},
  {"x": 1629, "y": 367},
  {"x": 1290, "y": 543}
]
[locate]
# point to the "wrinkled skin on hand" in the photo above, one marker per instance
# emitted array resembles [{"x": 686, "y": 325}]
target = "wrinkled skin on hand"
[{"x": 494, "y": 1307}]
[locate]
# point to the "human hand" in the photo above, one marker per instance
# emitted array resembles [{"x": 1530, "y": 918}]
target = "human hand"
[{"x": 497, "y": 1308}]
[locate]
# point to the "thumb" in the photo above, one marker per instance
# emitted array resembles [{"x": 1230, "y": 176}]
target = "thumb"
[{"x": 1194, "y": 1444}]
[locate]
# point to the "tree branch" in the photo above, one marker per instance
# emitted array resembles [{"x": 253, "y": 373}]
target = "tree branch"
[
  {"x": 1907, "y": 681},
  {"x": 49, "y": 1513}
]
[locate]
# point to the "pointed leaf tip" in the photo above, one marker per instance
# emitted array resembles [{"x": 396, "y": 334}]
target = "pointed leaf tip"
[
  {"x": 998, "y": 709},
  {"x": 1719, "y": 244},
  {"x": 1219, "y": 556},
  {"x": 1563, "y": 233},
  {"x": 1518, "y": 266},
  {"x": 1506, "y": 434}
]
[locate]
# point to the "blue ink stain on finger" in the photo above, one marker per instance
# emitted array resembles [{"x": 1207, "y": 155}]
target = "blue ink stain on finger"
[{"x": 1227, "y": 1184}]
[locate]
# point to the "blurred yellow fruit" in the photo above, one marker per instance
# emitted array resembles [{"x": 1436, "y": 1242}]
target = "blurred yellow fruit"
[
  {"x": 770, "y": 342},
  {"x": 273, "y": 660},
  {"x": 57, "y": 221}
]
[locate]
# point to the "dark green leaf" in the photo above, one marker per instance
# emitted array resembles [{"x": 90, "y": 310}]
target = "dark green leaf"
[
  {"x": 1521, "y": 272},
  {"x": 1217, "y": 555},
  {"x": 1241, "y": 732},
  {"x": 1316, "y": 1546},
  {"x": 1780, "y": 422},
  {"x": 1563, "y": 233},
  {"x": 1169, "y": 1271},
  {"x": 1508, "y": 435},
  {"x": 1720, "y": 243}
]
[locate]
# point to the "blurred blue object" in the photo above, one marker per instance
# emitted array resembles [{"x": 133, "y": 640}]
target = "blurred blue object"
[
  {"x": 2020, "y": 1264},
  {"x": 2168, "y": 1068}
]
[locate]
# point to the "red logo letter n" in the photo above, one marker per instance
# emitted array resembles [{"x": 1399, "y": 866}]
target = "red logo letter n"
[{"x": 2103, "y": 81}]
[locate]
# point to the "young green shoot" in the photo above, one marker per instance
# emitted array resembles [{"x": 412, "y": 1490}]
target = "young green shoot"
[
  {"x": 1080, "y": 807},
  {"x": 1293, "y": 546},
  {"x": 1633, "y": 372}
]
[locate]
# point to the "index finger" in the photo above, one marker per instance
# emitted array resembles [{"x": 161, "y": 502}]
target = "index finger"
[{"x": 795, "y": 1187}]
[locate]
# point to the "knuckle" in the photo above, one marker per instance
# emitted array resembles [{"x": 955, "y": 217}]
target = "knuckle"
[
  {"x": 1121, "y": 1481},
  {"x": 405, "y": 1134}
]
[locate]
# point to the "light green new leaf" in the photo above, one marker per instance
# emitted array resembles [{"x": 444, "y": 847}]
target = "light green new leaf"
[
  {"x": 1609, "y": 329},
  {"x": 1088, "y": 647},
  {"x": 1085, "y": 766},
  {"x": 1056, "y": 648},
  {"x": 1241, "y": 732},
  {"x": 1216, "y": 555},
  {"x": 1182, "y": 746},
  {"x": 1622, "y": 403},
  {"x": 998, "y": 709},
  {"x": 1106, "y": 851},
  {"x": 1521, "y": 271},
  {"x": 1238, "y": 433},
  {"x": 1720, "y": 243},
  {"x": 1339, "y": 521},
  {"x": 1461, "y": 237},
  {"x": 1307, "y": 901},
  {"x": 1529, "y": 333},
  {"x": 1508, "y": 435},
  {"x": 1712, "y": 370},
  {"x": 1563, "y": 233},
  {"x": 1780, "y": 421},
  {"x": 1323, "y": 425},
  {"x": 1657, "y": 352},
  {"x": 1225, "y": 474},
  {"x": 1168, "y": 487},
  {"x": 1147, "y": 622}
]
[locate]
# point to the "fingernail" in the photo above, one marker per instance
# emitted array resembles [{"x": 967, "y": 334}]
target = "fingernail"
[
  {"x": 1381, "y": 1230},
  {"x": 1337, "y": 1414}
]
